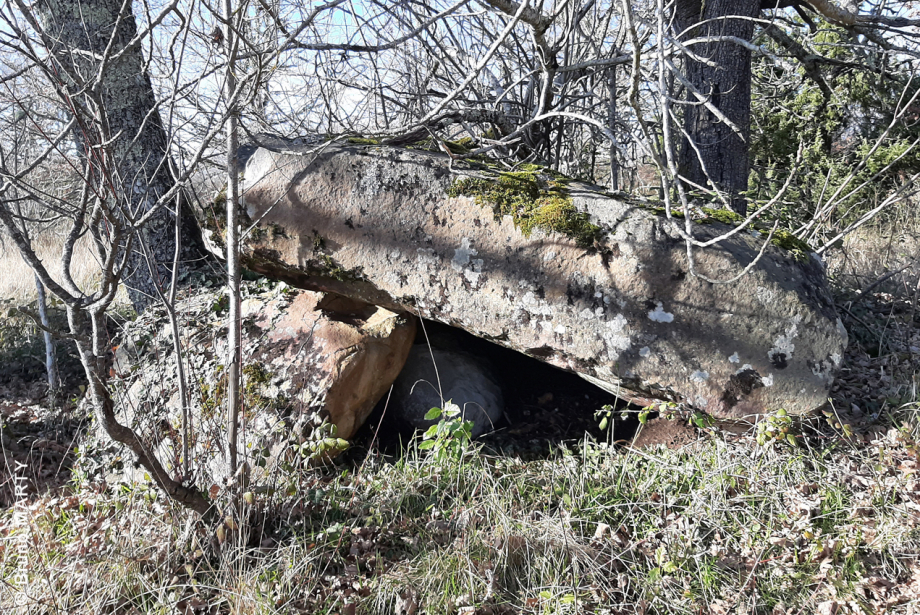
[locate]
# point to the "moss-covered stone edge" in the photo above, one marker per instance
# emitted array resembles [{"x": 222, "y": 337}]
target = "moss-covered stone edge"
[
  {"x": 535, "y": 198},
  {"x": 798, "y": 249}
]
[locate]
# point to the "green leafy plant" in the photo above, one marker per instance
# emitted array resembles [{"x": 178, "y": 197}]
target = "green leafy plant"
[
  {"x": 605, "y": 414},
  {"x": 447, "y": 439},
  {"x": 776, "y": 427},
  {"x": 322, "y": 442}
]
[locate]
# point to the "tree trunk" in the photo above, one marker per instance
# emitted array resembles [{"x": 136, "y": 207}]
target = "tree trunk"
[
  {"x": 119, "y": 130},
  {"x": 51, "y": 365},
  {"x": 234, "y": 326},
  {"x": 720, "y": 71}
]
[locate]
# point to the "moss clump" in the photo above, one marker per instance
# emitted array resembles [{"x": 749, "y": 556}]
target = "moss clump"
[
  {"x": 797, "y": 248},
  {"x": 257, "y": 234},
  {"x": 256, "y": 377},
  {"x": 319, "y": 243},
  {"x": 725, "y": 216},
  {"x": 267, "y": 263},
  {"x": 327, "y": 266},
  {"x": 461, "y": 146},
  {"x": 362, "y": 141},
  {"x": 212, "y": 398},
  {"x": 781, "y": 238},
  {"x": 531, "y": 203},
  {"x": 789, "y": 242},
  {"x": 219, "y": 202},
  {"x": 661, "y": 211}
]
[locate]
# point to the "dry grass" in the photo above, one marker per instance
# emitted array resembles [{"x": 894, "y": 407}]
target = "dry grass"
[
  {"x": 724, "y": 527},
  {"x": 887, "y": 248},
  {"x": 18, "y": 282}
]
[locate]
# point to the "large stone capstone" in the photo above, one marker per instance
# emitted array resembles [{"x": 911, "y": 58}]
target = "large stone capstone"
[{"x": 616, "y": 303}]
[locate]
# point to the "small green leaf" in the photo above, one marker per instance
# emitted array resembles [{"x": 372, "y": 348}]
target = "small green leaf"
[
  {"x": 433, "y": 414},
  {"x": 791, "y": 439},
  {"x": 431, "y": 433},
  {"x": 426, "y": 445},
  {"x": 603, "y": 424},
  {"x": 669, "y": 567}
]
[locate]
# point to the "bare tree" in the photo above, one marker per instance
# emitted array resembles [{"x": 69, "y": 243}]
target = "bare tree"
[{"x": 89, "y": 55}]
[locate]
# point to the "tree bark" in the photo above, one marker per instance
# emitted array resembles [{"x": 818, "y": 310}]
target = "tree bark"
[
  {"x": 234, "y": 321},
  {"x": 119, "y": 130},
  {"x": 715, "y": 155}
]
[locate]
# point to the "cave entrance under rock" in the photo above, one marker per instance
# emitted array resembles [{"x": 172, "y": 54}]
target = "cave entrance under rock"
[{"x": 544, "y": 406}]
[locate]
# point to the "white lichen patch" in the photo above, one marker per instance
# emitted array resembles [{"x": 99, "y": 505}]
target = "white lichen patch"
[
  {"x": 700, "y": 402},
  {"x": 699, "y": 377},
  {"x": 462, "y": 255},
  {"x": 549, "y": 256},
  {"x": 645, "y": 351},
  {"x": 426, "y": 257},
  {"x": 823, "y": 369},
  {"x": 766, "y": 296},
  {"x": 659, "y": 315},
  {"x": 783, "y": 344},
  {"x": 616, "y": 336},
  {"x": 536, "y": 306},
  {"x": 734, "y": 358},
  {"x": 473, "y": 272},
  {"x": 767, "y": 380},
  {"x": 560, "y": 329}
]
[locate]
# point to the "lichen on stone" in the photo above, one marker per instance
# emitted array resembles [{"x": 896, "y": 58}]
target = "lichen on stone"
[{"x": 532, "y": 202}]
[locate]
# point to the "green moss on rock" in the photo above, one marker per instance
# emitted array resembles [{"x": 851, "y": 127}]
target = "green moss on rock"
[
  {"x": 461, "y": 146},
  {"x": 321, "y": 266},
  {"x": 362, "y": 141},
  {"x": 326, "y": 265},
  {"x": 725, "y": 216},
  {"x": 531, "y": 203},
  {"x": 789, "y": 242},
  {"x": 798, "y": 249}
]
